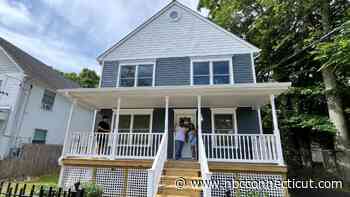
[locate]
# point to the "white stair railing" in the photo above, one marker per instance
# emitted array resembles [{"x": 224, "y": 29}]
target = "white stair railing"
[
  {"x": 250, "y": 148},
  {"x": 155, "y": 173},
  {"x": 203, "y": 161}
]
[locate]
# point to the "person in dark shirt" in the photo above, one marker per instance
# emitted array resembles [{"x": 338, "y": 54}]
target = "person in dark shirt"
[
  {"x": 102, "y": 129},
  {"x": 103, "y": 126}
]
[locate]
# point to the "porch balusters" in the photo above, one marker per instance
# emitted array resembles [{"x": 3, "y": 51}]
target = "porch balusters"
[{"x": 276, "y": 131}]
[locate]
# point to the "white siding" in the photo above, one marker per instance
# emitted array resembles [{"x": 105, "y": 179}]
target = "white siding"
[
  {"x": 54, "y": 121},
  {"x": 6, "y": 64},
  {"x": 189, "y": 36}
]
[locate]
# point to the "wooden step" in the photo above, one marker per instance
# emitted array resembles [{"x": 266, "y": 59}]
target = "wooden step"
[
  {"x": 170, "y": 191},
  {"x": 181, "y": 172},
  {"x": 170, "y": 180},
  {"x": 190, "y": 164}
]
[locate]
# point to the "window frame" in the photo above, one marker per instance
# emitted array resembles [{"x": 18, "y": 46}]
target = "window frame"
[
  {"x": 224, "y": 111},
  {"x": 42, "y": 99},
  {"x": 132, "y": 113},
  {"x": 8, "y": 111},
  {"x": 46, "y": 133},
  {"x": 137, "y": 64},
  {"x": 211, "y": 69}
]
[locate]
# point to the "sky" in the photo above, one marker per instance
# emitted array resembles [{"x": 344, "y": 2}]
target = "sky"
[{"x": 69, "y": 34}]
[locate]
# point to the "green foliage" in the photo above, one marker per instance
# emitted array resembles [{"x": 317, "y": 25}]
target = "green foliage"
[
  {"x": 283, "y": 30},
  {"x": 92, "y": 189},
  {"x": 86, "y": 78},
  {"x": 335, "y": 52}
]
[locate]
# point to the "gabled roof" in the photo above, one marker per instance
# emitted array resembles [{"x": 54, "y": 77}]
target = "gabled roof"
[
  {"x": 35, "y": 68},
  {"x": 249, "y": 46}
]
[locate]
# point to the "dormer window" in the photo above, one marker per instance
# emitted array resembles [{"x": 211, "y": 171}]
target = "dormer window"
[
  {"x": 139, "y": 75},
  {"x": 211, "y": 72}
]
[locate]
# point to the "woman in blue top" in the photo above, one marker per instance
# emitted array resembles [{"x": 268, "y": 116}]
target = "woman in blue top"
[{"x": 192, "y": 137}]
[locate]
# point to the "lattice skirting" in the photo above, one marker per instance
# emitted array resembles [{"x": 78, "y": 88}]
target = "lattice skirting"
[
  {"x": 227, "y": 189},
  {"x": 115, "y": 181}
]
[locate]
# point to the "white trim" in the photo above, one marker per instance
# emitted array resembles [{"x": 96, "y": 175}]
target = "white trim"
[
  {"x": 132, "y": 113},
  {"x": 260, "y": 120},
  {"x": 137, "y": 64},
  {"x": 135, "y": 111},
  {"x": 11, "y": 59},
  {"x": 253, "y": 67},
  {"x": 100, "y": 82},
  {"x": 211, "y": 61},
  {"x": 230, "y": 111},
  {"x": 159, "y": 13},
  {"x": 184, "y": 111}
]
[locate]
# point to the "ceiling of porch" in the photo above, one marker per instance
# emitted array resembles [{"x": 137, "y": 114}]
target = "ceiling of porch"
[{"x": 179, "y": 97}]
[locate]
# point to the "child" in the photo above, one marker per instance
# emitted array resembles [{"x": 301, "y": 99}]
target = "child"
[{"x": 193, "y": 141}]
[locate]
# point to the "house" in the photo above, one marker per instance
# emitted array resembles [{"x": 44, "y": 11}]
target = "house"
[
  {"x": 31, "y": 109},
  {"x": 177, "y": 66}
]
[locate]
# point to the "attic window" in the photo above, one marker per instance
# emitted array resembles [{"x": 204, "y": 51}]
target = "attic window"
[{"x": 174, "y": 15}]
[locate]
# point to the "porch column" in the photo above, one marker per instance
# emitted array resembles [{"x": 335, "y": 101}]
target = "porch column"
[
  {"x": 68, "y": 127},
  {"x": 276, "y": 131},
  {"x": 199, "y": 116},
  {"x": 115, "y": 128}
]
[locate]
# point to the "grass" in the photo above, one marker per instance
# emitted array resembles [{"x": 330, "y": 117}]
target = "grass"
[{"x": 46, "y": 181}]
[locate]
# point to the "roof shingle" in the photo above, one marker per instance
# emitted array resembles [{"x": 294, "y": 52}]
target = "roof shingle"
[{"x": 37, "y": 69}]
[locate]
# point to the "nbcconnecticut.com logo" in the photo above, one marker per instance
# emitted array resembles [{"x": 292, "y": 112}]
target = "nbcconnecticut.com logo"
[{"x": 260, "y": 185}]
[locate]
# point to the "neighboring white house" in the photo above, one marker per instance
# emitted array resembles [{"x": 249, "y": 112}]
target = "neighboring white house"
[{"x": 31, "y": 111}]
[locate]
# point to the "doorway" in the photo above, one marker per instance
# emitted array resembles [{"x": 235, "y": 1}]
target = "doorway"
[{"x": 188, "y": 116}]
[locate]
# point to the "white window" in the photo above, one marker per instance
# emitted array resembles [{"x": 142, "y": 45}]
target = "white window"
[
  {"x": 136, "y": 75},
  {"x": 224, "y": 121},
  {"x": 210, "y": 72},
  {"x": 39, "y": 136},
  {"x": 48, "y": 100},
  {"x": 4, "y": 115},
  {"x": 135, "y": 121}
]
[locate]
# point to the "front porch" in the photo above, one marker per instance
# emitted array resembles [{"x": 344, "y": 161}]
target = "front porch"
[{"x": 143, "y": 122}]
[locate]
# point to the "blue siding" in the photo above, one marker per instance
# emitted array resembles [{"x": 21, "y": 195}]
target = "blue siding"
[
  {"x": 173, "y": 71},
  {"x": 242, "y": 68},
  {"x": 247, "y": 120},
  {"x": 109, "y": 74}
]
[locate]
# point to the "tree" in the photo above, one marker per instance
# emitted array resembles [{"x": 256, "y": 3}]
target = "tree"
[
  {"x": 86, "y": 78},
  {"x": 282, "y": 29}
]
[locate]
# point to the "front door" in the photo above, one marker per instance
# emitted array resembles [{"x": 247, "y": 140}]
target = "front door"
[{"x": 188, "y": 116}]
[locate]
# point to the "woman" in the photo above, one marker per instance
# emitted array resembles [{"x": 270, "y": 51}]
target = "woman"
[
  {"x": 179, "y": 139},
  {"x": 192, "y": 135}
]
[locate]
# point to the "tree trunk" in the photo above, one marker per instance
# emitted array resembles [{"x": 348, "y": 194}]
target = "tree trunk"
[{"x": 335, "y": 109}]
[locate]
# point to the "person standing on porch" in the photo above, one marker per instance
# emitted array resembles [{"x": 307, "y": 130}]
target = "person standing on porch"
[
  {"x": 102, "y": 140},
  {"x": 180, "y": 134},
  {"x": 192, "y": 136}
]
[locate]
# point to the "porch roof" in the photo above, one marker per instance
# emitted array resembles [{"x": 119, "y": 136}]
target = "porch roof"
[{"x": 249, "y": 94}]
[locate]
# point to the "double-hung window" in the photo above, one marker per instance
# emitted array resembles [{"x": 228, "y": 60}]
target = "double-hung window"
[
  {"x": 135, "y": 121},
  {"x": 136, "y": 75},
  {"x": 48, "y": 100},
  {"x": 4, "y": 115},
  {"x": 39, "y": 136},
  {"x": 224, "y": 122},
  {"x": 133, "y": 126},
  {"x": 212, "y": 72}
]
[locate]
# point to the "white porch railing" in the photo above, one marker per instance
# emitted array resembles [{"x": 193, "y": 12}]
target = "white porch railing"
[
  {"x": 155, "y": 173},
  {"x": 125, "y": 145},
  {"x": 254, "y": 148}
]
